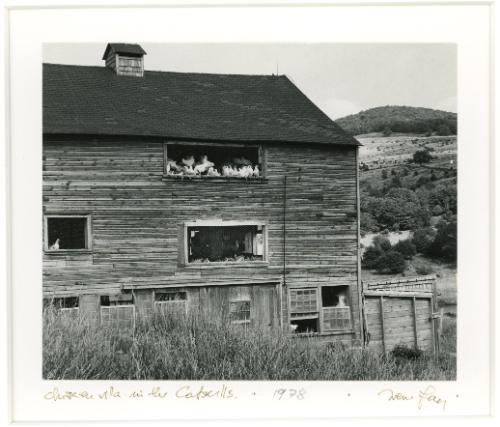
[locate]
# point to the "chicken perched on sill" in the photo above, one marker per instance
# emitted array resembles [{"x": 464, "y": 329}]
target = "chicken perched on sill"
[
  {"x": 238, "y": 167},
  {"x": 54, "y": 246},
  {"x": 203, "y": 166}
]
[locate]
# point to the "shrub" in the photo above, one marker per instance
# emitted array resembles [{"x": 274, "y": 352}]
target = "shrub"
[
  {"x": 406, "y": 248},
  {"x": 423, "y": 238},
  {"x": 367, "y": 223},
  {"x": 387, "y": 131},
  {"x": 424, "y": 269},
  {"x": 370, "y": 257},
  {"x": 391, "y": 262},
  {"x": 437, "y": 210},
  {"x": 445, "y": 243},
  {"x": 422, "y": 156},
  {"x": 404, "y": 352},
  {"x": 382, "y": 243}
]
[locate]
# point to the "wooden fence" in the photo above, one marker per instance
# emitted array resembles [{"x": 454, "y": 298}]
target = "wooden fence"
[{"x": 401, "y": 312}]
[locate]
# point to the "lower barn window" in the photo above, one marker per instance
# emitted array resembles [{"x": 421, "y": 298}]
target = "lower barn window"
[
  {"x": 66, "y": 233},
  {"x": 118, "y": 310},
  {"x": 225, "y": 243},
  {"x": 68, "y": 306},
  {"x": 239, "y": 312},
  {"x": 304, "y": 314},
  {"x": 335, "y": 307},
  {"x": 324, "y": 309},
  {"x": 171, "y": 303}
]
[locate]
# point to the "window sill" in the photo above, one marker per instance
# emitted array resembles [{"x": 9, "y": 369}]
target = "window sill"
[
  {"x": 256, "y": 180},
  {"x": 67, "y": 251},
  {"x": 242, "y": 264}
]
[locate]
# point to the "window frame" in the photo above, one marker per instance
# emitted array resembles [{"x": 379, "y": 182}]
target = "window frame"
[
  {"x": 319, "y": 312},
  {"x": 88, "y": 233},
  {"x": 118, "y": 307},
  {"x": 246, "y": 322},
  {"x": 184, "y": 252},
  {"x": 158, "y": 304},
  {"x": 261, "y": 157}
]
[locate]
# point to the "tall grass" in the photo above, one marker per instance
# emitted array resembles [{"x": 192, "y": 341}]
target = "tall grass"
[{"x": 201, "y": 349}]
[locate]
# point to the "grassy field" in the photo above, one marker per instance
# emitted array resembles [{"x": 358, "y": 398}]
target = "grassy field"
[
  {"x": 199, "y": 349},
  {"x": 380, "y": 151}
]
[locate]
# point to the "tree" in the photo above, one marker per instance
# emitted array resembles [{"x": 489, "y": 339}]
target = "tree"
[
  {"x": 444, "y": 130},
  {"x": 422, "y": 156},
  {"x": 391, "y": 262},
  {"x": 406, "y": 248},
  {"x": 396, "y": 181},
  {"x": 423, "y": 238},
  {"x": 370, "y": 257},
  {"x": 445, "y": 243},
  {"x": 382, "y": 243},
  {"x": 387, "y": 131},
  {"x": 437, "y": 210},
  {"x": 367, "y": 223}
]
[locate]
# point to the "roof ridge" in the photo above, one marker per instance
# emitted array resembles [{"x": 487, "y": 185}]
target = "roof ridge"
[{"x": 281, "y": 76}]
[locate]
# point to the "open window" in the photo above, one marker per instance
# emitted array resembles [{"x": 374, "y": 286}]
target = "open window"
[
  {"x": 239, "y": 312},
  {"x": 325, "y": 309},
  {"x": 212, "y": 161},
  {"x": 335, "y": 308},
  {"x": 65, "y": 232},
  {"x": 118, "y": 310},
  {"x": 171, "y": 302},
  {"x": 225, "y": 243}
]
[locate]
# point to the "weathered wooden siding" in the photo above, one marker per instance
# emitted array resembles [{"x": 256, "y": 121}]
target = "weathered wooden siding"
[
  {"x": 399, "y": 324},
  {"x": 137, "y": 215},
  {"x": 401, "y": 312}
]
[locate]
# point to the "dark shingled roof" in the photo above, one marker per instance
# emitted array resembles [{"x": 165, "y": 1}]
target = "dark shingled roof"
[
  {"x": 96, "y": 101},
  {"x": 125, "y": 48}
]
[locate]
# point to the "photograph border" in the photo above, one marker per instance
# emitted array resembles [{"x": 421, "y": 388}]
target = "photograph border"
[{"x": 10, "y": 233}]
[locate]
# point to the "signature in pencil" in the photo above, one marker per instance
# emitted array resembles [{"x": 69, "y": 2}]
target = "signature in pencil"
[{"x": 423, "y": 397}]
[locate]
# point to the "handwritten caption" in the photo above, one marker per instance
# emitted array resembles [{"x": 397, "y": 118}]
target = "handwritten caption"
[
  {"x": 185, "y": 392},
  {"x": 427, "y": 396}
]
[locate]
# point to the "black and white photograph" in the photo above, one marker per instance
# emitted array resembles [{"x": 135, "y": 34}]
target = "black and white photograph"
[{"x": 249, "y": 211}]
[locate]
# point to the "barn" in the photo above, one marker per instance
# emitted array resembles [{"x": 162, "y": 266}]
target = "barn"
[{"x": 181, "y": 193}]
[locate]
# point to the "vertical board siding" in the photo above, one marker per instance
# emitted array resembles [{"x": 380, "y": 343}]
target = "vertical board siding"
[
  {"x": 398, "y": 322},
  {"x": 136, "y": 215}
]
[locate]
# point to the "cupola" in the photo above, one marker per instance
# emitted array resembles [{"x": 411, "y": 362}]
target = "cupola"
[{"x": 125, "y": 59}]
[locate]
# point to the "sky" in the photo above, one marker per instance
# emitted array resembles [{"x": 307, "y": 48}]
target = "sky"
[{"x": 341, "y": 79}]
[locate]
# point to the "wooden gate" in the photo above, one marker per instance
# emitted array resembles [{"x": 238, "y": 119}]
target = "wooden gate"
[{"x": 401, "y": 312}]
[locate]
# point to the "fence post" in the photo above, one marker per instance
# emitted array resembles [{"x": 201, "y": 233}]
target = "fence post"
[
  {"x": 414, "y": 302},
  {"x": 382, "y": 322}
]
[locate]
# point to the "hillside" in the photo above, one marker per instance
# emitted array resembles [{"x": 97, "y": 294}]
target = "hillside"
[{"x": 400, "y": 119}]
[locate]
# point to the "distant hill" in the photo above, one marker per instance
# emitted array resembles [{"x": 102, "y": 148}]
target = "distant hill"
[{"x": 400, "y": 119}]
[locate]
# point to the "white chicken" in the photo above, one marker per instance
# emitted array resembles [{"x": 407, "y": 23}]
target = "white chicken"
[
  {"x": 229, "y": 171},
  {"x": 54, "y": 246},
  {"x": 245, "y": 171},
  {"x": 204, "y": 165},
  {"x": 188, "y": 161},
  {"x": 213, "y": 172},
  {"x": 188, "y": 170},
  {"x": 342, "y": 301},
  {"x": 172, "y": 166},
  {"x": 256, "y": 171}
]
